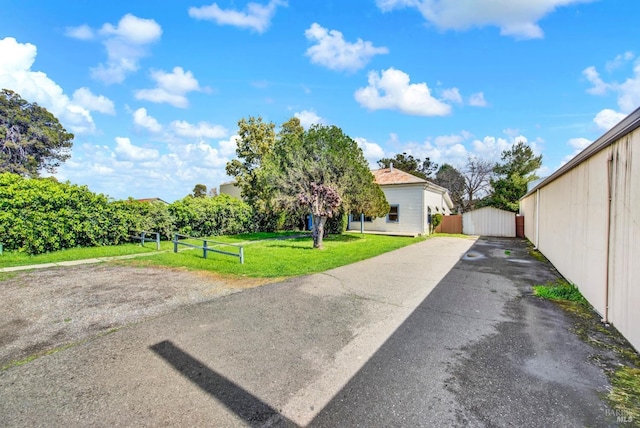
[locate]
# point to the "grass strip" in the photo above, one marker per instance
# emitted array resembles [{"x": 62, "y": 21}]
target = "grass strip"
[
  {"x": 624, "y": 375},
  {"x": 283, "y": 258}
]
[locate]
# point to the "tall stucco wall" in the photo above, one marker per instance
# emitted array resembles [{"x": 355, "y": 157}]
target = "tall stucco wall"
[
  {"x": 574, "y": 230},
  {"x": 624, "y": 253}
]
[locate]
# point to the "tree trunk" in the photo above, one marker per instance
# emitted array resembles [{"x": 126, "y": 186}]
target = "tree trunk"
[{"x": 318, "y": 230}]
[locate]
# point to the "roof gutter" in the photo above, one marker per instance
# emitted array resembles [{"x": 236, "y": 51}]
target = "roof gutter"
[{"x": 625, "y": 126}]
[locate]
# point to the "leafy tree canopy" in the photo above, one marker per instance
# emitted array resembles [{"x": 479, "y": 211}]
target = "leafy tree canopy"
[
  {"x": 407, "y": 163},
  {"x": 453, "y": 180},
  {"x": 513, "y": 174},
  {"x": 322, "y": 171},
  {"x": 199, "y": 191},
  {"x": 31, "y": 138},
  {"x": 256, "y": 140}
]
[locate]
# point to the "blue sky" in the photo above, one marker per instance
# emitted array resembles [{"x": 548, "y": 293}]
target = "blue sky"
[{"x": 153, "y": 91}]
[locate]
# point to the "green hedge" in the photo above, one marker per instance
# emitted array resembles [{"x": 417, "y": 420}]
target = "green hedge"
[
  {"x": 40, "y": 215},
  {"x": 220, "y": 215}
]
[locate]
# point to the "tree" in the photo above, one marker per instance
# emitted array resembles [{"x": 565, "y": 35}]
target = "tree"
[
  {"x": 407, "y": 163},
  {"x": 199, "y": 191},
  {"x": 324, "y": 172},
  {"x": 453, "y": 180},
  {"x": 31, "y": 138},
  {"x": 477, "y": 181},
  {"x": 513, "y": 175},
  {"x": 256, "y": 140}
]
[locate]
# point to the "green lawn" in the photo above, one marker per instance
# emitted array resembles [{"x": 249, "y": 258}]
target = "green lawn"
[
  {"x": 280, "y": 258},
  {"x": 14, "y": 258}
]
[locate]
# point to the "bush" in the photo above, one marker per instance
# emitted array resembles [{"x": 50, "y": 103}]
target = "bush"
[
  {"x": 220, "y": 215},
  {"x": 436, "y": 219},
  {"x": 41, "y": 215}
]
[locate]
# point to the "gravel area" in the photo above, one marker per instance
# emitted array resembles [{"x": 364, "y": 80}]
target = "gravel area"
[{"x": 47, "y": 309}]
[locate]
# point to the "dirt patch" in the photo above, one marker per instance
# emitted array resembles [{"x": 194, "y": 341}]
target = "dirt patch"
[{"x": 47, "y": 309}]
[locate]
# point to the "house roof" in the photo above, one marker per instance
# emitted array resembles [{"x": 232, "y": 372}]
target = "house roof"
[
  {"x": 152, "y": 200},
  {"x": 395, "y": 176}
]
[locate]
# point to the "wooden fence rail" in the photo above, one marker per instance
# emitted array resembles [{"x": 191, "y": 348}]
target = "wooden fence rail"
[
  {"x": 205, "y": 246},
  {"x": 143, "y": 238}
]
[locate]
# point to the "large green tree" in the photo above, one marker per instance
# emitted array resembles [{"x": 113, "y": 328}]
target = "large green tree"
[
  {"x": 453, "y": 180},
  {"x": 31, "y": 138},
  {"x": 512, "y": 175},
  {"x": 407, "y": 163},
  {"x": 324, "y": 172},
  {"x": 256, "y": 140}
]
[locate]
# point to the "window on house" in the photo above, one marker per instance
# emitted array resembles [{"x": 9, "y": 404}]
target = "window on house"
[
  {"x": 356, "y": 217},
  {"x": 394, "y": 214}
]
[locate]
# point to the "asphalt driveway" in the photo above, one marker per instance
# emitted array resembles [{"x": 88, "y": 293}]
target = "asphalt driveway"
[{"x": 441, "y": 333}]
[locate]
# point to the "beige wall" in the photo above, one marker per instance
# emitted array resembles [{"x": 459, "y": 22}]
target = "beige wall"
[
  {"x": 230, "y": 189},
  {"x": 573, "y": 230},
  {"x": 412, "y": 217}
]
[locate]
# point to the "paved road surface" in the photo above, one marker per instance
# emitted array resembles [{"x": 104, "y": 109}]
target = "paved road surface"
[{"x": 435, "y": 334}]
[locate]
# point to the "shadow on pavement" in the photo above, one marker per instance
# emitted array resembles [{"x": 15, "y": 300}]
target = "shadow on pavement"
[{"x": 245, "y": 405}]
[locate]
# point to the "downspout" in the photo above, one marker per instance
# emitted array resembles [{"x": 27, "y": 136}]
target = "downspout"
[{"x": 605, "y": 318}]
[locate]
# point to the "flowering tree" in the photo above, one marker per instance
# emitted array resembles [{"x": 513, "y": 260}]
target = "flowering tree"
[{"x": 324, "y": 172}]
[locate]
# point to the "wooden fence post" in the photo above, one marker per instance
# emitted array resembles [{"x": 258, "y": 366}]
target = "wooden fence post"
[{"x": 175, "y": 242}]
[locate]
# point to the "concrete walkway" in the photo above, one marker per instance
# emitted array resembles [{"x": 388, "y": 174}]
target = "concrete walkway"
[
  {"x": 421, "y": 336},
  {"x": 76, "y": 262}
]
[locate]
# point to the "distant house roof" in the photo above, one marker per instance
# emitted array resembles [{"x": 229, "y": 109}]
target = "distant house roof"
[
  {"x": 395, "y": 176},
  {"x": 152, "y": 200}
]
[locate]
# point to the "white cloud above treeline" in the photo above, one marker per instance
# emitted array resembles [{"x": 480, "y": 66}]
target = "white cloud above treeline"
[
  {"x": 331, "y": 50},
  {"x": 256, "y": 17},
  {"x": 16, "y": 60},
  {"x": 391, "y": 90},
  {"x": 171, "y": 88},
  {"x": 126, "y": 43},
  {"x": 516, "y": 18}
]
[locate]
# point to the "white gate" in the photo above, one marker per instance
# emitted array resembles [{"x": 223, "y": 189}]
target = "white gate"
[{"x": 489, "y": 221}]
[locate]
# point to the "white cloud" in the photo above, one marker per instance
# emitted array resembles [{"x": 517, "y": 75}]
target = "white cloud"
[
  {"x": 256, "y": 17},
  {"x": 228, "y": 147},
  {"x": 490, "y": 148},
  {"x": 128, "y": 152},
  {"x": 200, "y": 130},
  {"x": 477, "y": 100},
  {"x": 579, "y": 143},
  {"x": 391, "y": 90},
  {"x": 452, "y": 95},
  {"x": 607, "y": 119},
  {"x": 142, "y": 119},
  {"x": 171, "y": 88},
  {"x": 599, "y": 86},
  {"x": 16, "y": 60},
  {"x": 170, "y": 175},
  {"x": 82, "y": 32},
  {"x": 629, "y": 92},
  {"x": 332, "y": 51},
  {"x": 85, "y": 98},
  {"x": 372, "y": 151},
  {"x": 126, "y": 43},
  {"x": 308, "y": 118},
  {"x": 517, "y": 18},
  {"x": 619, "y": 60}
]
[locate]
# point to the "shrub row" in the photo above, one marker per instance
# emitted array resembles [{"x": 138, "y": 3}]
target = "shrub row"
[{"x": 41, "y": 215}]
